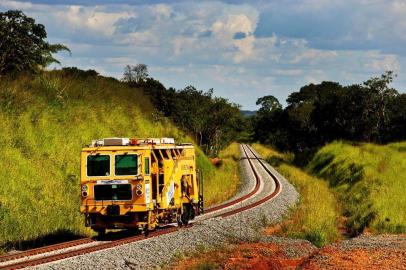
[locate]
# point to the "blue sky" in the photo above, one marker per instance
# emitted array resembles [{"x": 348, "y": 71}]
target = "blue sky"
[{"x": 242, "y": 49}]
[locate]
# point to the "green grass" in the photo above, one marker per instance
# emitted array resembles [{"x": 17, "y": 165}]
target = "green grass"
[
  {"x": 225, "y": 180},
  {"x": 370, "y": 181},
  {"x": 315, "y": 217},
  {"x": 44, "y": 122},
  {"x": 363, "y": 182}
]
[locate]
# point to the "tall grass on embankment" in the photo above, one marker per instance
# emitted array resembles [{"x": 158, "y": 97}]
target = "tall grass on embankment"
[
  {"x": 44, "y": 122},
  {"x": 224, "y": 181},
  {"x": 370, "y": 181},
  {"x": 315, "y": 217}
]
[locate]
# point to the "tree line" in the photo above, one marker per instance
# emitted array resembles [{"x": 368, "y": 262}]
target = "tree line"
[
  {"x": 320, "y": 113},
  {"x": 212, "y": 121}
]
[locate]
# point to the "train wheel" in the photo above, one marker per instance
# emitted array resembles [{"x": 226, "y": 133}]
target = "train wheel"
[
  {"x": 179, "y": 220},
  {"x": 185, "y": 217},
  {"x": 101, "y": 232}
]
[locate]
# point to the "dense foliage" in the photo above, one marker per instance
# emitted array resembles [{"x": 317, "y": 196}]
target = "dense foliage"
[
  {"x": 22, "y": 44},
  {"x": 212, "y": 121},
  {"x": 321, "y": 113}
]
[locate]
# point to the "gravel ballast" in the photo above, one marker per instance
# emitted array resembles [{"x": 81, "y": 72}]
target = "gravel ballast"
[{"x": 158, "y": 251}]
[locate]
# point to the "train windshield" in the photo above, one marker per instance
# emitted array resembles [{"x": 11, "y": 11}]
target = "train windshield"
[
  {"x": 98, "y": 165},
  {"x": 126, "y": 164}
]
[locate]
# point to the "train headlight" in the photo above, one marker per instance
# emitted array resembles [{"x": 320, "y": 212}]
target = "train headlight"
[
  {"x": 84, "y": 190},
  {"x": 138, "y": 189}
]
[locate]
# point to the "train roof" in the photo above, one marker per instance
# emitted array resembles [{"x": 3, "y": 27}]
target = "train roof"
[{"x": 135, "y": 143}]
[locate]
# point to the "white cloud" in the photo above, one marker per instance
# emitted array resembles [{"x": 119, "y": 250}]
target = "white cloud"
[
  {"x": 225, "y": 30},
  {"x": 15, "y": 4},
  {"x": 289, "y": 72},
  {"x": 313, "y": 56},
  {"x": 382, "y": 62},
  {"x": 162, "y": 11},
  {"x": 92, "y": 18}
]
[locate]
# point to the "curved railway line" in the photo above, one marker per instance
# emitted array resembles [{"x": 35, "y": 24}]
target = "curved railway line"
[{"x": 78, "y": 247}]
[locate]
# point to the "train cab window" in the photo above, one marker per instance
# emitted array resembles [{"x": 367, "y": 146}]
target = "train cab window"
[
  {"x": 126, "y": 164},
  {"x": 146, "y": 165},
  {"x": 98, "y": 165}
]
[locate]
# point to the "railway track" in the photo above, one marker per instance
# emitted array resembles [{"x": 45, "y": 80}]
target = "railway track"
[{"x": 59, "y": 251}]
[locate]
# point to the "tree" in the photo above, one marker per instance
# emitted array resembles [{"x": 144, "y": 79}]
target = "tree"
[
  {"x": 135, "y": 74},
  {"x": 376, "y": 105},
  {"x": 128, "y": 74},
  {"x": 265, "y": 121},
  {"x": 140, "y": 72},
  {"x": 268, "y": 104},
  {"x": 22, "y": 44}
]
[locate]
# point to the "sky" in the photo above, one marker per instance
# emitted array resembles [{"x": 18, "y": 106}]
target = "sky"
[{"x": 242, "y": 49}]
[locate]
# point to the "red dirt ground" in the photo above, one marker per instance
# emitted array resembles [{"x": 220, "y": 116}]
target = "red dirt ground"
[
  {"x": 259, "y": 256},
  {"x": 371, "y": 252}
]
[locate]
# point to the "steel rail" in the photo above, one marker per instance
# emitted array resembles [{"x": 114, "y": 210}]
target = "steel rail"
[
  {"x": 73, "y": 253},
  {"x": 240, "y": 199},
  {"x": 258, "y": 176},
  {"x": 45, "y": 249}
]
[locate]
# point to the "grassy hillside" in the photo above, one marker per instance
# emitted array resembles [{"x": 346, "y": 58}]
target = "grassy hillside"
[
  {"x": 370, "y": 181},
  {"x": 316, "y": 216},
  {"x": 365, "y": 183},
  {"x": 44, "y": 122}
]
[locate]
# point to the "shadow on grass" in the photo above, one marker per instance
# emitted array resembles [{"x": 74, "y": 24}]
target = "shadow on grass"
[
  {"x": 336, "y": 172},
  {"x": 49, "y": 239}
]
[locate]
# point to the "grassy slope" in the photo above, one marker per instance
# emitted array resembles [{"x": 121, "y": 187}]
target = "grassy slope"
[
  {"x": 44, "y": 122},
  {"x": 316, "y": 216},
  {"x": 366, "y": 183},
  {"x": 226, "y": 175},
  {"x": 370, "y": 179}
]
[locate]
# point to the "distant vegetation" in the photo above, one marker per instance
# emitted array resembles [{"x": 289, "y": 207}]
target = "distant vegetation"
[
  {"x": 322, "y": 113},
  {"x": 212, "y": 121}
]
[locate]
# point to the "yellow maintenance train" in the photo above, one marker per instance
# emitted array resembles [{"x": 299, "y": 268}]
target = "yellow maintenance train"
[{"x": 139, "y": 183}]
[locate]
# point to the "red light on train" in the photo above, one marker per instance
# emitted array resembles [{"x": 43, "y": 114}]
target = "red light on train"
[{"x": 133, "y": 142}]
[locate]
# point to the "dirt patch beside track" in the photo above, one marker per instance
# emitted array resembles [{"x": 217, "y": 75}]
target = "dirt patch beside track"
[{"x": 365, "y": 252}]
